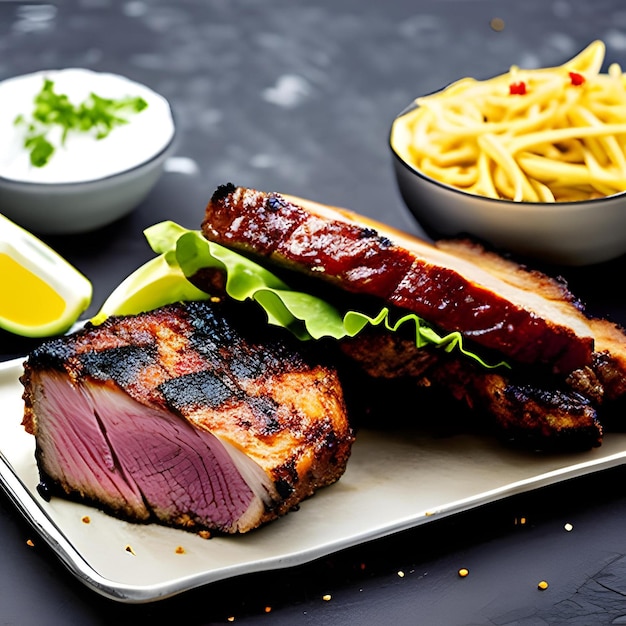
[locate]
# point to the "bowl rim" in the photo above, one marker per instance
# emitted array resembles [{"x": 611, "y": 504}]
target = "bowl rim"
[
  {"x": 25, "y": 184},
  {"x": 526, "y": 204}
]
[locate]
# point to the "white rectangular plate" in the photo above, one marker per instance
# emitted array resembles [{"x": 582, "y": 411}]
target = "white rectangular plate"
[{"x": 394, "y": 481}]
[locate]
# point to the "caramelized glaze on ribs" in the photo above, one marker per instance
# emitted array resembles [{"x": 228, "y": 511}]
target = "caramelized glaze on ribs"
[
  {"x": 604, "y": 378},
  {"x": 529, "y": 318},
  {"x": 444, "y": 289}
]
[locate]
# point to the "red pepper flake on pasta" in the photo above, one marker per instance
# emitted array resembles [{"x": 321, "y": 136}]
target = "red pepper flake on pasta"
[
  {"x": 518, "y": 88},
  {"x": 576, "y": 78}
]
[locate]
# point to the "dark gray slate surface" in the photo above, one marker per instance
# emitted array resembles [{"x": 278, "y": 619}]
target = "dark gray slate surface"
[{"x": 298, "y": 97}]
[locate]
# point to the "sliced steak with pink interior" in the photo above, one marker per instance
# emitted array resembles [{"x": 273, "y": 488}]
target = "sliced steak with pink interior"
[{"x": 191, "y": 416}]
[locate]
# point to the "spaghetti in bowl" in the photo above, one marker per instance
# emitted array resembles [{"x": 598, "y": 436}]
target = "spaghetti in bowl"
[{"x": 531, "y": 161}]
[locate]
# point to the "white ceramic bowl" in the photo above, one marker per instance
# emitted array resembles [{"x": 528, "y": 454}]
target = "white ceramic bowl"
[
  {"x": 564, "y": 233},
  {"x": 91, "y": 183}
]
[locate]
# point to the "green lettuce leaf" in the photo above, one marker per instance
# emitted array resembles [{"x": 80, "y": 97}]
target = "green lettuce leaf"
[{"x": 305, "y": 315}]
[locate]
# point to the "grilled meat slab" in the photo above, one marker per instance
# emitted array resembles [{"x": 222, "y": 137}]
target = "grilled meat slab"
[
  {"x": 192, "y": 415},
  {"x": 444, "y": 289},
  {"x": 545, "y": 411},
  {"x": 524, "y": 411},
  {"x": 567, "y": 365},
  {"x": 606, "y": 374}
]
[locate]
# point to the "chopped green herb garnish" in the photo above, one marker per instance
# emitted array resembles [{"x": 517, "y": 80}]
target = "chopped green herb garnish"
[
  {"x": 40, "y": 149},
  {"x": 96, "y": 115}
]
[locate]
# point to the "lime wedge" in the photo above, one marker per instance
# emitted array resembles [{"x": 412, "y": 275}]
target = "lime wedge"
[
  {"x": 154, "y": 284},
  {"x": 42, "y": 294}
]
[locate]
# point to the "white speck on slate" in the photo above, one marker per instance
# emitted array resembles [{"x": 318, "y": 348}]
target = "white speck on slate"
[
  {"x": 290, "y": 90},
  {"x": 181, "y": 165}
]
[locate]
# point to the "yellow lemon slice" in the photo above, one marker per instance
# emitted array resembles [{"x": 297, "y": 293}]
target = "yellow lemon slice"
[
  {"x": 154, "y": 284},
  {"x": 41, "y": 294}
]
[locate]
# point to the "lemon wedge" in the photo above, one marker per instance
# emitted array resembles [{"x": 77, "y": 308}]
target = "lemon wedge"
[
  {"x": 42, "y": 294},
  {"x": 156, "y": 283}
]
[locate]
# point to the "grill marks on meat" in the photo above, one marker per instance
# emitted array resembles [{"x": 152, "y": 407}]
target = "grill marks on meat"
[
  {"x": 187, "y": 416},
  {"x": 445, "y": 289},
  {"x": 521, "y": 411}
]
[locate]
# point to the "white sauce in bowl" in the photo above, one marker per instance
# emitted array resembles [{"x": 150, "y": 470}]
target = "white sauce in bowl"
[{"x": 82, "y": 157}]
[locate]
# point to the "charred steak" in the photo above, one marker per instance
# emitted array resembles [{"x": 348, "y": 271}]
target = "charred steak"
[
  {"x": 191, "y": 415},
  {"x": 522, "y": 410}
]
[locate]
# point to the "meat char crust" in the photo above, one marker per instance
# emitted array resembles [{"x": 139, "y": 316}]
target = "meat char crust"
[
  {"x": 191, "y": 415},
  {"x": 366, "y": 257},
  {"x": 521, "y": 410}
]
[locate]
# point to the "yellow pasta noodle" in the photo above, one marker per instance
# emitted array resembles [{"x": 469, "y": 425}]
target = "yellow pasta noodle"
[{"x": 544, "y": 135}]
